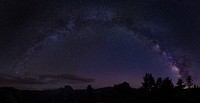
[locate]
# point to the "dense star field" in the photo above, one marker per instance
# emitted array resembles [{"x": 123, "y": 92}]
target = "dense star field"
[{"x": 46, "y": 44}]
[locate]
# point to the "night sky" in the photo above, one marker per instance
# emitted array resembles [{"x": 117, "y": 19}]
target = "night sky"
[{"x": 47, "y": 44}]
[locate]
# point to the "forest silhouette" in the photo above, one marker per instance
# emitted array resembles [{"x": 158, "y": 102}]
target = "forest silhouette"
[{"x": 153, "y": 90}]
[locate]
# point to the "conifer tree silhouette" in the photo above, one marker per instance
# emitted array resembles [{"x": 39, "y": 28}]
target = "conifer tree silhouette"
[
  {"x": 149, "y": 82},
  {"x": 189, "y": 82},
  {"x": 159, "y": 83},
  {"x": 180, "y": 84}
]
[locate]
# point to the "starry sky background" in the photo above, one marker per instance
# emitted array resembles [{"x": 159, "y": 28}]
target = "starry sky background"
[{"x": 47, "y": 44}]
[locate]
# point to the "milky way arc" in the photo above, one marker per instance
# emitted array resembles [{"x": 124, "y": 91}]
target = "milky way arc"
[{"x": 181, "y": 65}]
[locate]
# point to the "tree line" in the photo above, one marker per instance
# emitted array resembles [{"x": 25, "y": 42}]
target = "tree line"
[{"x": 150, "y": 83}]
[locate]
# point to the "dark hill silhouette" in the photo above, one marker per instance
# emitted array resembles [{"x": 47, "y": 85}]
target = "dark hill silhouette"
[{"x": 153, "y": 91}]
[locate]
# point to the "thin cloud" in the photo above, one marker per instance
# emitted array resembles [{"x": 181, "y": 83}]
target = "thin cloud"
[
  {"x": 43, "y": 79},
  {"x": 67, "y": 77},
  {"x": 8, "y": 79}
]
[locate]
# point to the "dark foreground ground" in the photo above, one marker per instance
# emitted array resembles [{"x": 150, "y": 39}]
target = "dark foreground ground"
[{"x": 103, "y": 95}]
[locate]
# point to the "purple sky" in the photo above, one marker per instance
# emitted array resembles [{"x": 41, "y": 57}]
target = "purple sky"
[{"x": 49, "y": 44}]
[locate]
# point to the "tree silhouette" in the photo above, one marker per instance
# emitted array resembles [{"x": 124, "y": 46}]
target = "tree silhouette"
[
  {"x": 149, "y": 82},
  {"x": 123, "y": 86},
  {"x": 90, "y": 94},
  {"x": 122, "y": 91},
  {"x": 166, "y": 87},
  {"x": 189, "y": 81},
  {"x": 167, "y": 84},
  {"x": 159, "y": 83},
  {"x": 180, "y": 84},
  {"x": 89, "y": 89}
]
